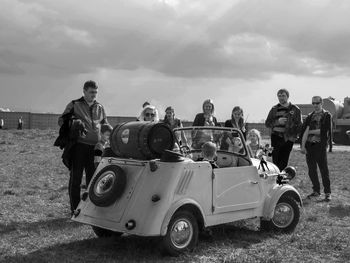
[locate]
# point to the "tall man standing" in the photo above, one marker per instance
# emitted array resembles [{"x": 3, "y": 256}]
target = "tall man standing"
[
  {"x": 316, "y": 133},
  {"x": 285, "y": 122},
  {"x": 92, "y": 114}
]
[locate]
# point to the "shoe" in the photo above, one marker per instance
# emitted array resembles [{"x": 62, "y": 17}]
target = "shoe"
[
  {"x": 314, "y": 194},
  {"x": 327, "y": 197}
]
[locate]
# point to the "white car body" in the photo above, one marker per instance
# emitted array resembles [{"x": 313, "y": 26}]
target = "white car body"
[{"x": 155, "y": 190}]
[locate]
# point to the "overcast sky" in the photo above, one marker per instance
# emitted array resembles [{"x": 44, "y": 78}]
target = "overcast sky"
[{"x": 173, "y": 52}]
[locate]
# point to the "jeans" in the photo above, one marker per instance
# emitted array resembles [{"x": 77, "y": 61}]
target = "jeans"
[
  {"x": 281, "y": 151},
  {"x": 316, "y": 154},
  {"x": 82, "y": 159}
]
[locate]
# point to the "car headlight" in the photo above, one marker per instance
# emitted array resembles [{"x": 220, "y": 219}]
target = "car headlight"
[{"x": 290, "y": 172}]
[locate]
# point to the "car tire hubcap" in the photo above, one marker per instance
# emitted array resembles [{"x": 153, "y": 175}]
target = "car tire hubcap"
[
  {"x": 181, "y": 233},
  {"x": 283, "y": 215},
  {"x": 104, "y": 184}
]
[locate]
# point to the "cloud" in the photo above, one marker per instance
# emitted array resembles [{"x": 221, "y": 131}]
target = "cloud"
[{"x": 248, "y": 39}]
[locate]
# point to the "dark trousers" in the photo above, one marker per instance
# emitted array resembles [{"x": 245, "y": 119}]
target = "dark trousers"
[
  {"x": 281, "y": 151},
  {"x": 82, "y": 159},
  {"x": 316, "y": 154}
]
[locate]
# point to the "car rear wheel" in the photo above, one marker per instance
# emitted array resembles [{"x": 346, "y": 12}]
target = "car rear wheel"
[
  {"x": 182, "y": 234},
  {"x": 285, "y": 217},
  {"x": 101, "y": 232},
  {"x": 107, "y": 186}
]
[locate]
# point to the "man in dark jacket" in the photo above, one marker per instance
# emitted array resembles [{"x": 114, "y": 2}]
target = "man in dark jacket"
[
  {"x": 92, "y": 114},
  {"x": 285, "y": 122},
  {"x": 316, "y": 133}
]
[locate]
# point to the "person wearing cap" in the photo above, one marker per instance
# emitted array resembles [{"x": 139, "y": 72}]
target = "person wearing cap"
[
  {"x": 173, "y": 123},
  {"x": 284, "y": 121},
  {"x": 92, "y": 114}
]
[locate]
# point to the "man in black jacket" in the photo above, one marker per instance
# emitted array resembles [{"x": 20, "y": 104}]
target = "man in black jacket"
[
  {"x": 285, "y": 122},
  {"x": 92, "y": 115},
  {"x": 316, "y": 132}
]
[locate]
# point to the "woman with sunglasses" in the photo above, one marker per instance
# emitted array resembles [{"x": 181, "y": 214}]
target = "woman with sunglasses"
[{"x": 149, "y": 113}]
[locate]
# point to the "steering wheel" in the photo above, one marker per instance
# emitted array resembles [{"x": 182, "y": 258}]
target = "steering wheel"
[{"x": 185, "y": 150}]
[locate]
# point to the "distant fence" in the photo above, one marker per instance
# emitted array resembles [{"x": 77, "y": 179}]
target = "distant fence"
[{"x": 49, "y": 121}]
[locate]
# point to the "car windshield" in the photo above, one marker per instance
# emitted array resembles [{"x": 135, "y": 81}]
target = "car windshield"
[{"x": 228, "y": 140}]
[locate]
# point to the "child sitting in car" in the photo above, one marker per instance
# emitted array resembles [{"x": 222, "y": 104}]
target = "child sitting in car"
[
  {"x": 235, "y": 144},
  {"x": 106, "y": 131},
  {"x": 209, "y": 153},
  {"x": 254, "y": 143}
]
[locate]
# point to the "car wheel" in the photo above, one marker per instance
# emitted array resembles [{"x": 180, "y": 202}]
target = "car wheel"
[
  {"x": 101, "y": 232},
  {"x": 285, "y": 216},
  {"x": 182, "y": 234},
  {"x": 107, "y": 186}
]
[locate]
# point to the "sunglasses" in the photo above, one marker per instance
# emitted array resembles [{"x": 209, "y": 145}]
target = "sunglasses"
[
  {"x": 149, "y": 114},
  {"x": 316, "y": 103}
]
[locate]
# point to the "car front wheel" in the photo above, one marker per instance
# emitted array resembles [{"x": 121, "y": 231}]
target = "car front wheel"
[
  {"x": 182, "y": 234},
  {"x": 285, "y": 217}
]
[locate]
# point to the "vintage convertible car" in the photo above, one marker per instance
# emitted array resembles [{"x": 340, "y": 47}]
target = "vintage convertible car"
[{"x": 153, "y": 184}]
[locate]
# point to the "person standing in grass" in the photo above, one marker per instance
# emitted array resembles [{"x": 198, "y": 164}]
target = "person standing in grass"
[
  {"x": 237, "y": 120},
  {"x": 316, "y": 132},
  {"x": 206, "y": 118},
  {"x": 1, "y": 123},
  {"x": 284, "y": 121},
  {"x": 20, "y": 123},
  {"x": 92, "y": 114},
  {"x": 173, "y": 123}
]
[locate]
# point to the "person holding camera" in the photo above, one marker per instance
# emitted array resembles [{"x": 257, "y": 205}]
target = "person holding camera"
[
  {"x": 92, "y": 114},
  {"x": 284, "y": 120}
]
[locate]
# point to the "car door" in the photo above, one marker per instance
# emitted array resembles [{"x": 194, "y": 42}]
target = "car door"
[{"x": 236, "y": 188}]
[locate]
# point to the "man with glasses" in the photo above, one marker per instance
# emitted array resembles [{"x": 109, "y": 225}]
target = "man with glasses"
[
  {"x": 92, "y": 114},
  {"x": 316, "y": 132},
  {"x": 284, "y": 120}
]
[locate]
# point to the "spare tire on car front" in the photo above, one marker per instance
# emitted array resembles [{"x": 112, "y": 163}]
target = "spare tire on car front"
[{"x": 107, "y": 186}]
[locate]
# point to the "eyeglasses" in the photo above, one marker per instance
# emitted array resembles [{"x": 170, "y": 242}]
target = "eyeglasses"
[
  {"x": 316, "y": 103},
  {"x": 149, "y": 114}
]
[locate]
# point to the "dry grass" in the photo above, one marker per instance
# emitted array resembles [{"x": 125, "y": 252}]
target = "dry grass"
[{"x": 35, "y": 224}]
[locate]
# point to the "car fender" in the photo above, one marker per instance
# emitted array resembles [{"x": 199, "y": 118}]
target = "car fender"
[
  {"x": 174, "y": 208},
  {"x": 275, "y": 194}
]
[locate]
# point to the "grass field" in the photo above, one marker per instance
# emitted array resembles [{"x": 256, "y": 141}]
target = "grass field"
[{"x": 35, "y": 224}]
